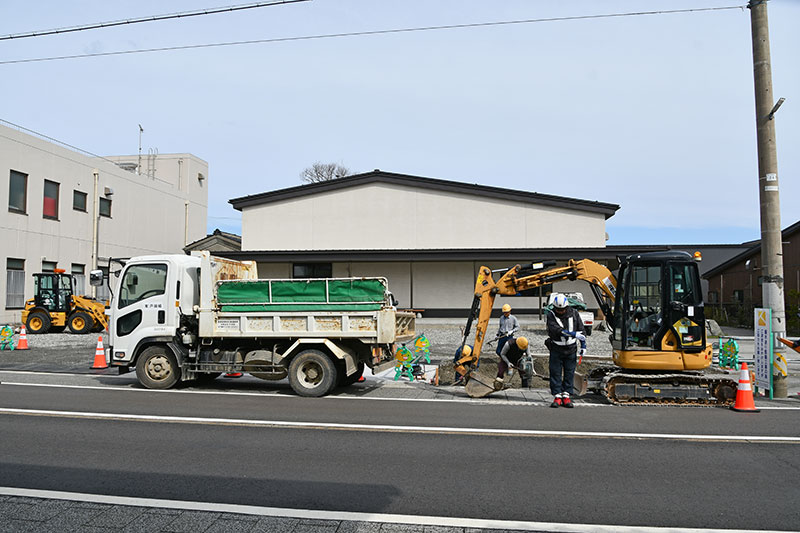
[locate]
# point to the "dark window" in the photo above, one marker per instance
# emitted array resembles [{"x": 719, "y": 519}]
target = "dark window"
[
  {"x": 15, "y": 283},
  {"x": 128, "y": 323},
  {"x": 17, "y": 192},
  {"x": 79, "y": 201},
  {"x": 311, "y": 270},
  {"x": 105, "y": 207},
  {"x": 738, "y": 297},
  {"x": 713, "y": 297},
  {"x": 50, "y": 205},
  {"x": 49, "y": 266}
]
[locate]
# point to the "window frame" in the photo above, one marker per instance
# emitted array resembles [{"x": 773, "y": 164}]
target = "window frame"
[
  {"x": 14, "y": 271},
  {"x": 100, "y": 207},
  {"x": 75, "y": 194},
  {"x": 14, "y": 209},
  {"x": 315, "y": 268},
  {"x": 45, "y": 197}
]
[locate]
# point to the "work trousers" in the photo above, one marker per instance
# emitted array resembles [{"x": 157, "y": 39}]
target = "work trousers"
[{"x": 562, "y": 371}]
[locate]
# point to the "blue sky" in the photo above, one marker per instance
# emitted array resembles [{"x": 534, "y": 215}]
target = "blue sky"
[{"x": 654, "y": 113}]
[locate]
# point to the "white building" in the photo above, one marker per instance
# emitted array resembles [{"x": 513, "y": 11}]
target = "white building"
[
  {"x": 427, "y": 236},
  {"x": 53, "y": 192}
]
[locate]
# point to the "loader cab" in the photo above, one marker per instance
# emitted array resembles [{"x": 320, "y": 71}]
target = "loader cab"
[
  {"x": 53, "y": 291},
  {"x": 659, "y": 304}
]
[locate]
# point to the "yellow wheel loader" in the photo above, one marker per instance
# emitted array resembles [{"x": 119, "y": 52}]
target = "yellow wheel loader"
[
  {"x": 55, "y": 306},
  {"x": 657, "y": 320}
]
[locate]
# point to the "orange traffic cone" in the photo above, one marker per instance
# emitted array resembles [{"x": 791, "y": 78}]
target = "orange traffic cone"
[
  {"x": 100, "y": 355},
  {"x": 744, "y": 393},
  {"x": 22, "y": 344}
]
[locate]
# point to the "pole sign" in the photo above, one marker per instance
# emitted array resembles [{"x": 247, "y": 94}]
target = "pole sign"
[{"x": 763, "y": 348}]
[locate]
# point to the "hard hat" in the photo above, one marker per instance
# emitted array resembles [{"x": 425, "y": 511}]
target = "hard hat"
[
  {"x": 560, "y": 301},
  {"x": 466, "y": 350},
  {"x": 522, "y": 342},
  {"x": 506, "y": 308}
]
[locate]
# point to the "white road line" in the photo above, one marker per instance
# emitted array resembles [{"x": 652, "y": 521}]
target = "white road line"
[
  {"x": 351, "y": 516},
  {"x": 465, "y": 400},
  {"x": 437, "y": 430}
]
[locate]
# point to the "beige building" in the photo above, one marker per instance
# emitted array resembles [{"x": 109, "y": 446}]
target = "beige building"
[
  {"x": 427, "y": 236},
  {"x": 53, "y": 192}
]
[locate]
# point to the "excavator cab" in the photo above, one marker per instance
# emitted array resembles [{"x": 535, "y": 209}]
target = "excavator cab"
[{"x": 659, "y": 320}]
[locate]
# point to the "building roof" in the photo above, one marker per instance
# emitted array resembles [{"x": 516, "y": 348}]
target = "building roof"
[
  {"x": 391, "y": 178},
  {"x": 472, "y": 254},
  {"x": 753, "y": 250},
  {"x": 216, "y": 242}
]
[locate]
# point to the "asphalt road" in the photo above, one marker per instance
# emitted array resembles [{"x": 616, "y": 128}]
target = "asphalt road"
[{"x": 597, "y": 465}]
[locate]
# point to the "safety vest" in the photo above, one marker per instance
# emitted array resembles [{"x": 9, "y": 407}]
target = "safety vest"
[{"x": 566, "y": 340}]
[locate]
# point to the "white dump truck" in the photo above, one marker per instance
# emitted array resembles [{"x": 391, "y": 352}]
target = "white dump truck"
[{"x": 178, "y": 318}]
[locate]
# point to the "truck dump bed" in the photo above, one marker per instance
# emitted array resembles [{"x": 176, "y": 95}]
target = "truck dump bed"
[
  {"x": 337, "y": 308},
  {"x": 351, "y": 294}
]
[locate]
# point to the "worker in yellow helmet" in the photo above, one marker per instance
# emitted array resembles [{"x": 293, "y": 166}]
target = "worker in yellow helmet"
[
  {"x": 462, "y": 351},
  {"x": 510, "y": 356},
  {"x": 509, "y": 325}
]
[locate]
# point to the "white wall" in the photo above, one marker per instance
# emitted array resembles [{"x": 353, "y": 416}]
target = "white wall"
[
  {"x": 382, "y": 216},
  {"x": 147, "y": 215}
]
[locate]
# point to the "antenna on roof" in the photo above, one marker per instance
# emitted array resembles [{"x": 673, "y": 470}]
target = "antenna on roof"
[{"x": 139, "y": 166}]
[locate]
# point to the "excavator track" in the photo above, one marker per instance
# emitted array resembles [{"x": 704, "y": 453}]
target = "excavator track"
[{"x": 622, "y": 387}]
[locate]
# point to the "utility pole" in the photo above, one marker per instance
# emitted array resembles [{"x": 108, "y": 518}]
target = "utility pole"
[{"x": 769, "y": 199}]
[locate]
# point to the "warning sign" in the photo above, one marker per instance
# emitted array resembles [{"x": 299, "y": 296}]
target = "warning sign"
[{"x": 763, "y": 348}]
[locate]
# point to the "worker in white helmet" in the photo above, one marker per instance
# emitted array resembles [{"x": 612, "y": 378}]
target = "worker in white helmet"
[{"x": 565, "y": 333}]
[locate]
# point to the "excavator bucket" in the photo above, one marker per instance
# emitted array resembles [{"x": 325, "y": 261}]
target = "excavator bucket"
[
  {"x": 580, "y": 384},
  {"x": 479, "y": 384}
]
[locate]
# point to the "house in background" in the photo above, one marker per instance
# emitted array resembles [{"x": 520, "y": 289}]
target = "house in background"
[
  {"x": 155, "y": 207},
  {"x": 428, "y": 236},
  {"x": 736, "y": 282},
  {"x": 218, "y": 242}
]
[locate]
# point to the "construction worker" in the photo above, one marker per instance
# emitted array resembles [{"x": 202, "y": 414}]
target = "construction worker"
[
  {"x": 509, "y": 325},
  {"x": 565, "y": 333},
  {"x": 510, "y": 356},
  {"x": 461, "y": 351}
]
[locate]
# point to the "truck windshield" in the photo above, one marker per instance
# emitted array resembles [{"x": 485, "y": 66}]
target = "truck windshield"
[{"x": 141, "y": 282}]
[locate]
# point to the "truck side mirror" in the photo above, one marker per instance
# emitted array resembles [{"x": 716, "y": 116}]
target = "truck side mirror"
[{"x": 96, "y": 278}]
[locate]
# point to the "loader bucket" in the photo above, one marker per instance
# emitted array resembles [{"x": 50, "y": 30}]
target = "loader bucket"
[{"x": 479, "y": 386}]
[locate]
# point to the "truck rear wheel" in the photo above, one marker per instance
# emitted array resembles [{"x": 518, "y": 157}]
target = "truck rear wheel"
[
  {"x": 312, "y": 374},
  {"x": 156, "y": 368},
  {"x": 80, "y": 323},
  {"x": 38, "y": 322}
]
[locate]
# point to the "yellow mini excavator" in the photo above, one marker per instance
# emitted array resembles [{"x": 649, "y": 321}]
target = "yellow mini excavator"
[
  {"x": 55, "y": 306},
  {"x": 657, "y": 321}
]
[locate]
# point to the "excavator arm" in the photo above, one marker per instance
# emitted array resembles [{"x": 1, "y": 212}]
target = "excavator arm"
[{"x": 520, "y": 278}]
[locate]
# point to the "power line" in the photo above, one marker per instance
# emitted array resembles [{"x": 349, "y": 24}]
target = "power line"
[
  {"x": 152, "y": 18},
  {"x": 363, "y": 33}
]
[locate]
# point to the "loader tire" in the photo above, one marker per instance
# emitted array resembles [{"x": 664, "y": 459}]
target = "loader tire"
[
  {"x": 312, "y": 374},
  {"x": 38, "y": 322},
  {"x": 157, "y": 368},
  {"x": 80, "y": 323}
]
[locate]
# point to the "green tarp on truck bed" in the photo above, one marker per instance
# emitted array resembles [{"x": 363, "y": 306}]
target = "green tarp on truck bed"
[{"x": 301, "y": 295}]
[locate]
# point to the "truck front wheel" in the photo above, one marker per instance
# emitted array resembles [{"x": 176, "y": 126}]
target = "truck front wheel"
[
  {"x": 312, "y": 373},
  {"x": 157, "y": 368}
]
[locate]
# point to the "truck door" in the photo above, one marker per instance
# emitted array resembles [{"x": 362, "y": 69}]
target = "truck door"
[{"x": 141, "y": 309}]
